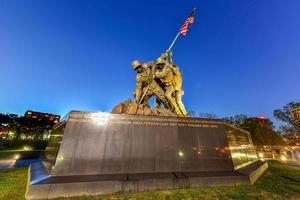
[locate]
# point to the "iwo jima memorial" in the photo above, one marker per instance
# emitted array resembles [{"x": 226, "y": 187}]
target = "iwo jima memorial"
[{"x": 140, "y": 148}]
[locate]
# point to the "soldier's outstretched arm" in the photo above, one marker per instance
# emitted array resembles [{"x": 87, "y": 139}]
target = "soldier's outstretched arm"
[{"x": 170, "y": 54}]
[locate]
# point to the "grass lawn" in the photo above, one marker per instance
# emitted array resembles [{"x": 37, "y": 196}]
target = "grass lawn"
[{"x": 279, "y": 182}]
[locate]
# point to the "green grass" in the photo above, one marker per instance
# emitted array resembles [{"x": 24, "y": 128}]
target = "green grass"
[
  {"x": 13, "y": 183},
  {"x": 279, "y": 182}
]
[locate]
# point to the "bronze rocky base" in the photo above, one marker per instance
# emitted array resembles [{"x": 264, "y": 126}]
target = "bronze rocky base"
[{"x": 133, "y": 108}]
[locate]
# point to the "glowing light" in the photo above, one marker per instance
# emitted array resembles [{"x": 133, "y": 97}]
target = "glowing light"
[
  {"x": 100, "y": 118},
  {"x": 17, "y": 156},
  {"x": 61, "y": 157},
  {"x": 11, "y": 133},
  {"x": 238, "y": 155},
  {"x": 283, "y": 158},
  {"x": 261, "y": 156},
  {"x": 27, "y": 148},
  {"x": 181, "y": 154},
  {"x": 262, "y": 117}
]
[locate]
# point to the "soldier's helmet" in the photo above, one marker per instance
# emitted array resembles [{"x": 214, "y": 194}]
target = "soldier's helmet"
[
  {"x": 135, "y": 64},
  {"x": 160, "y": 61}
]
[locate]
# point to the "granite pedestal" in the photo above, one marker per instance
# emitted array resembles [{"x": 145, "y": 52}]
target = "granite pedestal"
[{"x": 102, "y": 153}]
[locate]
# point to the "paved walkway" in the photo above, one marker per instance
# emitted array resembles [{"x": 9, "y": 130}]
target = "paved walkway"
[
  {"x": 12, "y": 163},
  {"x": 295, "y": 164},
  {"x": 7, "y": 164}
]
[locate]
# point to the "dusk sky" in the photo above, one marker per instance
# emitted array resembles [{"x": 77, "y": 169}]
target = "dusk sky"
[{"x": 240, "y": 56}]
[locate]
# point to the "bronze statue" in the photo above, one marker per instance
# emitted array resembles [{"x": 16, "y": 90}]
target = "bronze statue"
[
  {"x": 177, "y": 81},
  {"x": 161, "y": 79}
]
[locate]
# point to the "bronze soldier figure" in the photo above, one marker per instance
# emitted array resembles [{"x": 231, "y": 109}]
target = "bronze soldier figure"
[
  {"x": 146, "y": 86},
  {"x": 177, "y": 82},
  {"x": 165, "y": 74}
]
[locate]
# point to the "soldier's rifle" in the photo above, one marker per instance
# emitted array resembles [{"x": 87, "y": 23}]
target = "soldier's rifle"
[
  {"x": 152, "y": 78},
  {"x": 143, "y": 96}
]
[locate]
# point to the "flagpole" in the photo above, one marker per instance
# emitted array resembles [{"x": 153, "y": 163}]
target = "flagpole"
[{"x": 170, "y": 47}]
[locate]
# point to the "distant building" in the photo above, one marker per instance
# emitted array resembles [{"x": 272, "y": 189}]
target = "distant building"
[
  {"x": 42, "y": 116},
  {"x": 293, "y": 139}
]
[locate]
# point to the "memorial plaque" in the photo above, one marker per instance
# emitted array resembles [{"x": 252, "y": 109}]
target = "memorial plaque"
[{"x": 102, "y": 143}]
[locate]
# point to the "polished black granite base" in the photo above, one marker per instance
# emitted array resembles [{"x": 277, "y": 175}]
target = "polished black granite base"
[
  {"x": 100, "y": 153},
  {"x": 45, "y": 186}
]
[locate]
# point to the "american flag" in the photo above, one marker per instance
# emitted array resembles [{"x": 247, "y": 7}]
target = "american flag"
[{"x": 188, "y": 21}]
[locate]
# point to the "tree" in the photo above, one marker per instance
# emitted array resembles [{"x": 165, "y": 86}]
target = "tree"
[
  {"x": 10, "y": 122},
  {"x": 192, "y": 113},
  {"x": 207, "y": 115},
  {"x": 261, "y": 129},
  {"x": 28, "y": 128},
  {"x": 290, "y": 115},
  {"x": 237, "y": 119}
]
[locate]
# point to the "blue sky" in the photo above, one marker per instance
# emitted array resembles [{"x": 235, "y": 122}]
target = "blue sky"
[{"x": 240, "y": 56}]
